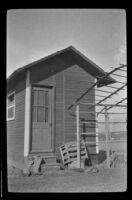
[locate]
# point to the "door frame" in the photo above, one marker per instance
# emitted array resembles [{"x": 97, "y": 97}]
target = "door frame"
[{"x": 52, "y": 88}]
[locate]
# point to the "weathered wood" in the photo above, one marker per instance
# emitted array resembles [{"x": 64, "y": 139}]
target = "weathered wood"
[
  {"x": 119, "y": 75},
  {"x": 89, "y": 134},
  {"x": 91, "y": 143},
  {"x": 70, "y": 150},
  {"x": 78, "y": 137},
  {"x": 116, "y": 113},
  {"x": 107, "y": 138},
  {"x": 93, "y": 86},
  {"x": 37, "y": 163},
  {"x": 99, "y": 103},
  {"x": 27, "y": 114},
  {"x": 117, "y": 104}
]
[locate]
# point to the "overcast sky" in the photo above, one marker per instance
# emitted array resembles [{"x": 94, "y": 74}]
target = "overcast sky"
[
  {"x": 33, "y": 34},
  {"x": 100, "y": 34}
]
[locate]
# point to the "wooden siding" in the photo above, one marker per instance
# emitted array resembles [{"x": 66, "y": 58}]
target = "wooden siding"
[
  {"x": 15, "y": 128},
  {"x": 56, "y": 81},
  {"x": 69, "y": 84},
  {"x": 76, "y": 82}
]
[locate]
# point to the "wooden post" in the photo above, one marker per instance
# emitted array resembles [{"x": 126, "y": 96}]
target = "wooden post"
[
  {"x": 107, "y": 137},
  {"x": 78, "y": 137},
  {"x": 27, "y": 115},
  {"x": 97, "y": 135}
]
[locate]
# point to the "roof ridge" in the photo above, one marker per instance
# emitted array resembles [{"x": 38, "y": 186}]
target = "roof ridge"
[
  {"x": 42, "y": 59},
  {"x": 57, "y": 53}
]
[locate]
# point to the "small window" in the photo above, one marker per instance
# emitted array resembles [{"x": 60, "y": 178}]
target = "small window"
[
  {"x": 11, "y": 106},
  {"x": 40, "y": 105}
]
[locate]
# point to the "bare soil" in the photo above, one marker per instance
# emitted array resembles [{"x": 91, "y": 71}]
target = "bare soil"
[{"x": 106, "y": 180}]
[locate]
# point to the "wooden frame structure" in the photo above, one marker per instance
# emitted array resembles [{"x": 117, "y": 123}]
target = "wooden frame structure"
[{"x": 106, "y": 107}]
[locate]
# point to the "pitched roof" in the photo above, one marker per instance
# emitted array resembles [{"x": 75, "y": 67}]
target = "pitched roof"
[{"x": 74, "y": 56}]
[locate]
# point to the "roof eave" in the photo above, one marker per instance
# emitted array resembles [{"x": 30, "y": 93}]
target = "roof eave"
[{"x": 109, "y": 80}]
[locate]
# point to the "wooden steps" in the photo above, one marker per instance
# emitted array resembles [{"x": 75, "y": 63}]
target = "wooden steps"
[
  {"x": 36, "y": 164},
  {"x": 49, "y": 159},
  {"x": 50, "y": 166}
]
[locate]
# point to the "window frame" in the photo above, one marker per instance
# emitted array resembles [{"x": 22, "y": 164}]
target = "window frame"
[
  {"x": 11, "y": 106},
  {"x": 40, "y": 88}
]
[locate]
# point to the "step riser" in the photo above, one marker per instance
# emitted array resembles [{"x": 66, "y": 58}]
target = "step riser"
[
  {"x": 49, "y": 167},
  {"x": 36, "y": 164},
  {"x": 50, "y": 160}
]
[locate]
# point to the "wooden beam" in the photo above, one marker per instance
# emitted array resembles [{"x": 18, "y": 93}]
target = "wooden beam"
[
  {"x": 91, "y": 143},
  {"x": 99, "y": 103},
  {"x": 112, "y": 87},
  {"x": 27, "y": 115},
  {"x": 90, "y": 134},
  {"x": 85, "y": 122},
  {"x": 78, "y": 137},
  {"x": 119, "y": 75},
  {"x": 107, "y": 138},
  {"x": 114, "y": 105},
  {"x": 116, "y": 113},
  {"x": 103, "y": 91},
  {"x": 117, "y": 104},
  {"x": 122, "y": 83},
  {"x": 119, "y": 68},
  {"x": 99, "y": 133},
  {"x": 113, "y": 122},
  {"x": 95, "y": 84},
  {"x": 123, "y": 70}
]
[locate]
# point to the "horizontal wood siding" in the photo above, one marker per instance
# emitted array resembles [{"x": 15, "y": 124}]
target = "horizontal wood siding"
[
  {"x": 59, "y": 112},
  {"x": 76, "y": 82},
  {"x": 15, "y": 128}
]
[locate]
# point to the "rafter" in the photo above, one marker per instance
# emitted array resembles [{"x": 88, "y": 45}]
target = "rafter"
[
  {"x": 95, "y": 84},
  {"x": 108, "y": 96}
]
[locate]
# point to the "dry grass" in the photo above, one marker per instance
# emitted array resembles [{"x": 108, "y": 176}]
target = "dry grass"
[{"x": 106, "y": 180}]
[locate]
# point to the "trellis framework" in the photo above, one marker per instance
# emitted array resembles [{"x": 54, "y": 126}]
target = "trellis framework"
[{"x": 103, "y": 111}]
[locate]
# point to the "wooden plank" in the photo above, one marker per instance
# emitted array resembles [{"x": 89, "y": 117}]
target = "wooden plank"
[
  {"x": 89, "y": 134},
  {"x": 107, "y": 138},
  {"x": 64, "y": 103},
  {"x": 93, "y": 86},
  {"x": 36, "y": 166},
  {"x": 117, "y": 103},
  {"x": 75, "y": 152},
  {"x": 91, "y": 143},
  {"x": 113, "y": 113},
  {"x": 99, "y": 103},
  {"x": 119, "y": 75},
  {"x": 78, "y": 137},
  {"x": 64, "y": 151},
  {"x": 112, "y": 122},
  {"x": 27, "y": 115}
]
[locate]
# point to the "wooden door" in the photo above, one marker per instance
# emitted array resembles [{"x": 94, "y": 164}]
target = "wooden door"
[{"x": 41, "y": 119}]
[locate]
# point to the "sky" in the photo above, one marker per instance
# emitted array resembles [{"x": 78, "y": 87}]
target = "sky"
[{"x": 100, "y": 34}]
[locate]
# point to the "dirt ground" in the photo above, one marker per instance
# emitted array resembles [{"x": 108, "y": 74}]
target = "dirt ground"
[{"x": 106, "y": 180}]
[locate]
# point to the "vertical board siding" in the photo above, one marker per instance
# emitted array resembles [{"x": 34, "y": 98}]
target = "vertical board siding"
[
  {"x": 59, "y": 130},
  {"x": 69, "y": 85},
  {"x": 15, "y": 128},
  {"x": 76, "y": 82}
]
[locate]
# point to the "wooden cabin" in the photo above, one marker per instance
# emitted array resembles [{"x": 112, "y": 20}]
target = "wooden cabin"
[{"x": 38, "y": 96}]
